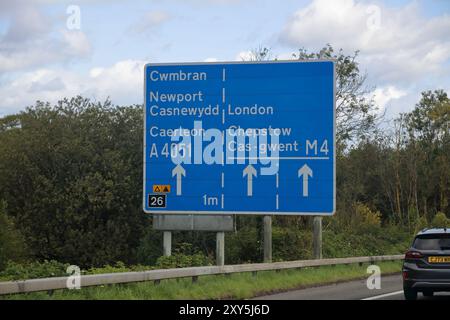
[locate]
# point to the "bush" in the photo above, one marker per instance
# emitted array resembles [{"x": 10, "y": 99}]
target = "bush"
[
  {"x": 48, "y": 269},
  {"x": 12, "y": 244},
  {"x": 150, "y": 247},
  {"x": 117, "y": 267},
  {"x": 377, "y": 241},
  {"x": 32, "y": 270},
  {"x": 358, "y": 217},
  {"x": 440, "y": 220},
  {"x": 243, "y": 246},
  {"x": 71, "y": 174},
  {"x": 421, "y": 223},
  {"x": 183, "y": 257},
  {"x": 291, "y": 244},
  {"x": 365, "y": 217},
  {"x": 180, "y": 260}
]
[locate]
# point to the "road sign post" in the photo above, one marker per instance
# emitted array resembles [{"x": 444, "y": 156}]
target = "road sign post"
[
  {"x": 317, "y": 237},
  {"x": 240, "y": 138},
  {"x": 220, "y": 248},
  {"x": 267, "y": 242},
  {"x": 167, "y": 243}
]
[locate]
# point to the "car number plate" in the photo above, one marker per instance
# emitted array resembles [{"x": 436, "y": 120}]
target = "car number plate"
[{"x": 439, "y": 259}]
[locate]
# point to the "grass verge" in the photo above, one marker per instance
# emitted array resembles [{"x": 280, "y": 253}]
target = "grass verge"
[{"x": 235, "y": 286}]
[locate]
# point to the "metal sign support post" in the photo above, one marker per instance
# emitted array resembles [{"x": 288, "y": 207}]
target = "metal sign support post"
[
  {"x": 267, "y": 239},
  {"x": 167, "y": 243},
  {"x": 317, "y": 237},
  {"x": 220, "y": 248}
]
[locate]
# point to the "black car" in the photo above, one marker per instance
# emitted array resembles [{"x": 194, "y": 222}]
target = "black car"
[{"x": 426, "y": 267}]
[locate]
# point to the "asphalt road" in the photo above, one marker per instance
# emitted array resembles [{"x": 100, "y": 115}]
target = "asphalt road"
[{"x": 391, "y": 289}]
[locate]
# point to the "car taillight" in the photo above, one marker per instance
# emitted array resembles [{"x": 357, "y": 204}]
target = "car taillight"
[
  {"x": 413, "y": 255},
  {"x": 405, "y": 275}
]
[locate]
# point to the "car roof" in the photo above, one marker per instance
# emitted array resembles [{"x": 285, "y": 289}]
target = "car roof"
[{"x": 434, "y": 231}]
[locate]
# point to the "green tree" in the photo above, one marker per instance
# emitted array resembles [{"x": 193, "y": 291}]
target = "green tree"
[
  {"x": 356, "y": 115},
  {"x": 12, "y": 245},
  {"x": 428, "y": 127},
  {"x": 72, "y": 177},
  {"x": 440, "y": 221}
]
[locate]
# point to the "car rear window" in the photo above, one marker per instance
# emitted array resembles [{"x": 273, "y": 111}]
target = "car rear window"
[{"x": 432, "y": 242}]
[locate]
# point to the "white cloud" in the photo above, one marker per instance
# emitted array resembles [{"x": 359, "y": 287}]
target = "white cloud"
[
  {"x": 31, "y": 41},
  {"x": 285, "y": 56},
  {"x": 314, "y": 23},
  {"x": 149, "y": 21},
  {"x": 54, "y": 84},
  {"x": 156, "y": 17},
  {"x": 122, "y": 82},
  {"x": 31, "y": 86},
  {"x": 402, "y": 51},
  {"x": 77, "y": 43},
  {"x": 397, "y": 44},
  {"x": 211, "y": 60},
  {"x": 245, "y": 56},
  {"x": 382, "y": 96}
]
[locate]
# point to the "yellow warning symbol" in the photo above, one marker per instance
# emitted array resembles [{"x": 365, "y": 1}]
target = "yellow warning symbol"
[{"x": 161, "y": 188}]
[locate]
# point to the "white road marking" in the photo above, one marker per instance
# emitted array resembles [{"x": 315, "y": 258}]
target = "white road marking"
[{"x": 381, "y": 296}]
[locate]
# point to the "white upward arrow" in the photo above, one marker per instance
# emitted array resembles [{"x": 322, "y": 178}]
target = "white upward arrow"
[
  {"x": 249, "y": 171},
  {"x": 178, "y": 171},
  {"x": 306, "y": 172}
]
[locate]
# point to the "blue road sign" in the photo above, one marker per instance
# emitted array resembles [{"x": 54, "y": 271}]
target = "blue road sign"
[{"x": 240, "y": 138}]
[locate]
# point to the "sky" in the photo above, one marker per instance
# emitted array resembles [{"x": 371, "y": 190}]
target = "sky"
[{"x": 97, "y": 48}]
